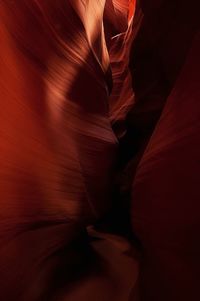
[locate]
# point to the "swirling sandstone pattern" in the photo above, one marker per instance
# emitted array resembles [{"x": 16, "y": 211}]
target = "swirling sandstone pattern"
[
  {"x": 57, "y": 146},
  {"x": 94, "y": 93}
]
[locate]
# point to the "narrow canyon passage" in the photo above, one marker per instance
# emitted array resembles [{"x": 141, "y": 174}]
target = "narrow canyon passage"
[{"x": 99, "y": 150}]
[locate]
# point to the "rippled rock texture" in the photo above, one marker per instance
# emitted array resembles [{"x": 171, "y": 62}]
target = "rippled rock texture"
[{"x": 99, "y": 150}]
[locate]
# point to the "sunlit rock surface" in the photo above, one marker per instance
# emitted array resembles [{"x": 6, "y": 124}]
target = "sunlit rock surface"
[{"x": 58, "y": 149}]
